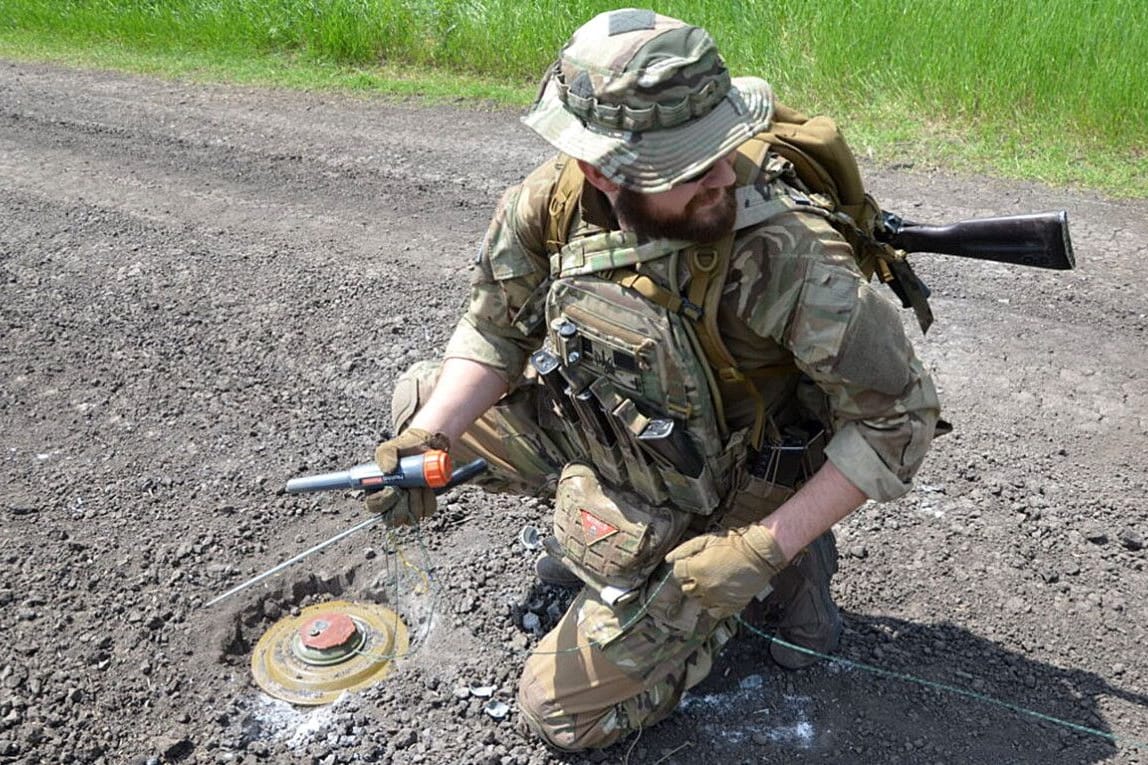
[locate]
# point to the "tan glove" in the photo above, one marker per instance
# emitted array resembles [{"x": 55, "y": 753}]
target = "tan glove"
[
  {"x": 723, "y": 570},
  {"x": 401, "y": 507},
  {"x": 404, "y": 506},
  {"x": 410, "y": 441}
]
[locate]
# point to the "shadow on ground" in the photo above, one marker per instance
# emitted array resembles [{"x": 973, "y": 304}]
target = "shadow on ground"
[{"x": 933, "y": 693}]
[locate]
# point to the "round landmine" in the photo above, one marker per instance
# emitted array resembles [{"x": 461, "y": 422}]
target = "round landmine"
[{"x": 327, "y": 649}]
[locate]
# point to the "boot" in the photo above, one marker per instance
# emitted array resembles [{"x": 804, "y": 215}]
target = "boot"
[
  {"x": 550, "y": 570},
  {"x": 802, "y": 607}
]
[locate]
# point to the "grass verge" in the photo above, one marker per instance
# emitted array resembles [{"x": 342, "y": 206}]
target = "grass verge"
[{"x": 931, "y": 104}]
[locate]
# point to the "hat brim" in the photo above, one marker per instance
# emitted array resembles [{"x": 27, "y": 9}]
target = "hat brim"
[{"x": 656, "y": 160}]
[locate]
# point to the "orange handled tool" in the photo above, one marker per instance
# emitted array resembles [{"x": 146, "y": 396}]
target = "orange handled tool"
[{"x": 430, "y": 469}]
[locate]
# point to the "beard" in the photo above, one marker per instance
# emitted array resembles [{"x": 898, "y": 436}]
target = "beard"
[{"x": 706, "y": 219}]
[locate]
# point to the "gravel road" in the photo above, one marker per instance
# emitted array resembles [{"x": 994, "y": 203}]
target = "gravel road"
[{"x": 205, "y": 291}]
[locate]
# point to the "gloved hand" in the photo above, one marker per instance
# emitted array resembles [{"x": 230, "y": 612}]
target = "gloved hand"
[
  {"x": 723, "y": 570},
  {"x": 404, "y": 506},
  {"x": 400, "y": 507}
]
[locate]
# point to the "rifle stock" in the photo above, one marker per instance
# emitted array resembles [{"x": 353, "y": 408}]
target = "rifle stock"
[{"x": 1039, "y": 240}]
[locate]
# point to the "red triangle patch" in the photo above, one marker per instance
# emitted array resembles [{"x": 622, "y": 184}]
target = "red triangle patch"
[{"x": 595, "y": 529}]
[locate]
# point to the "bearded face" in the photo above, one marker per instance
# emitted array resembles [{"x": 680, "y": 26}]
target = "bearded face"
[
  {"x": 705, "y": 218},
  {"x": 700, "y": 209}
]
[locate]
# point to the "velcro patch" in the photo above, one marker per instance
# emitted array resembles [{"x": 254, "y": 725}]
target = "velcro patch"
[
  {"x": 594, "y": 529},
  {"x": 631, "y": 20}
]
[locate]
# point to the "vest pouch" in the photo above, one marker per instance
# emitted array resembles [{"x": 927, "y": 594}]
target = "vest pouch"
[
  {"x": 636, "y": 359},
  {"x": 774, "y": 473},
  {"x": 754, "y": 499},
  {"x": 599, "y": 437},
  {"x": 702, "y": 495},
  {"x": 627, "y": 423},
  {"x": 612, "y": 539}
]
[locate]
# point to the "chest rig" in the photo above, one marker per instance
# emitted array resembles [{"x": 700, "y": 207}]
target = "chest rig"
[
  {"x": 634, "y": 356},
  {"x": 631, "y": 378}
]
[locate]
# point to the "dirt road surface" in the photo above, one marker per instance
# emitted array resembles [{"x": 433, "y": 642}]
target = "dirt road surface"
[{"x": 205, "y": 291}]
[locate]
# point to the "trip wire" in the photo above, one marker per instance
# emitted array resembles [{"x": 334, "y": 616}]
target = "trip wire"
[
  {"x": 643, "y": 609},
  {"x": 953, "y": 689},
  {"x": 396, "y": 562}
]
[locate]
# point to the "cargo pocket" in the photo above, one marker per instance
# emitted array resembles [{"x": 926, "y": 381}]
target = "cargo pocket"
[{"x": 659, "y": 624}]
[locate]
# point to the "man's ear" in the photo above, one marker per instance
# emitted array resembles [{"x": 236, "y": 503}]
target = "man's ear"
[{"x": 597, "y": 179}]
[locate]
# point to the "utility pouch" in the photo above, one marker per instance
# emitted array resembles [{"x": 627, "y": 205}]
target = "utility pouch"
[
  {"x": 792, "y": 459},
  {"x": 613, "y": 540},
  {"x": 627, "y": 423},
  {"x": 754, "y": 499},
  {"x": 774, "y": 473}
]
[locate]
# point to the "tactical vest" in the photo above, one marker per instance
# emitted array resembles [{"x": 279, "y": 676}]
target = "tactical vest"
[
  {"x": 637, "y": 354},
  {"x": 643, "y": 358}
]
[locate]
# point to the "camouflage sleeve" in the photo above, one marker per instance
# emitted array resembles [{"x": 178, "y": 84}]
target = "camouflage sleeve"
[
  {"x": 504, "y": 321},
  {"x": 812, "y": 300}
]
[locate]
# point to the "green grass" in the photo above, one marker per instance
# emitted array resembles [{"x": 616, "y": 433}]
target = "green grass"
[{"x": 1048, "y": 90}]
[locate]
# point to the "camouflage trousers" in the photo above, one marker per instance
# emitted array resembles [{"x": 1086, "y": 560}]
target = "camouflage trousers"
[
  {"x": 604, "y": 671},
  {"x": 609, "y": 670}
]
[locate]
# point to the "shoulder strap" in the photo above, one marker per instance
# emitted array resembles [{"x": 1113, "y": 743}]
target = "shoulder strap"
[
  {"x": 709, "y": 267},
  {"x": 563, "y": 203}
]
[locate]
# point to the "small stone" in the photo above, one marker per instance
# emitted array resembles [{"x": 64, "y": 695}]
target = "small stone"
[
  {"x": 173, "y": 748},
  {"x": 859, "y": 551},
  {"x": 1016, "y": 605},
  {"x": 1130, "y": 540},
  {"x": 1095, "y": 533}
]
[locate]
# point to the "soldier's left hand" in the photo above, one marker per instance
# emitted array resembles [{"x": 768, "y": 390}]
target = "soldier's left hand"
[
  {"x": 401, "y": 507},
  {"x": 723, "y": 570}
]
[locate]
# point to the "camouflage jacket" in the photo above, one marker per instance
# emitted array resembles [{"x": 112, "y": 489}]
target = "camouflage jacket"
[{"x": 793, "y": 295}]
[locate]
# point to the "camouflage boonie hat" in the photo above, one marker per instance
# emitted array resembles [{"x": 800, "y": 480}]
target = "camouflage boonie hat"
[{"x": 647, "y": 100}]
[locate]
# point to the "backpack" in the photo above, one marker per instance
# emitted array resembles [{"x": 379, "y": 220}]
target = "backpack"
[{"x": 823, "y": 165}]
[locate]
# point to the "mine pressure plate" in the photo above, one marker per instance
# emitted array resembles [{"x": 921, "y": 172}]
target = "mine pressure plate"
[{"x": 327, "y": 649}]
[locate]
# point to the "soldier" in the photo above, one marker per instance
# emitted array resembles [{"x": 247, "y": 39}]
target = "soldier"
[{"x": 722, "y": 384}]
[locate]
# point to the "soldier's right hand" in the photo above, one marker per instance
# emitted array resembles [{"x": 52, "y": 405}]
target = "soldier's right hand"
[
  {"x": 404, "y": 507},
  {"x": 723, "y": 570}
]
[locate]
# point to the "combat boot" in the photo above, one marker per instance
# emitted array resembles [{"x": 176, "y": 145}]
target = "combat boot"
[
  {"x": 551, "y": 570},
  {"x": 800, "y": 609}
]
